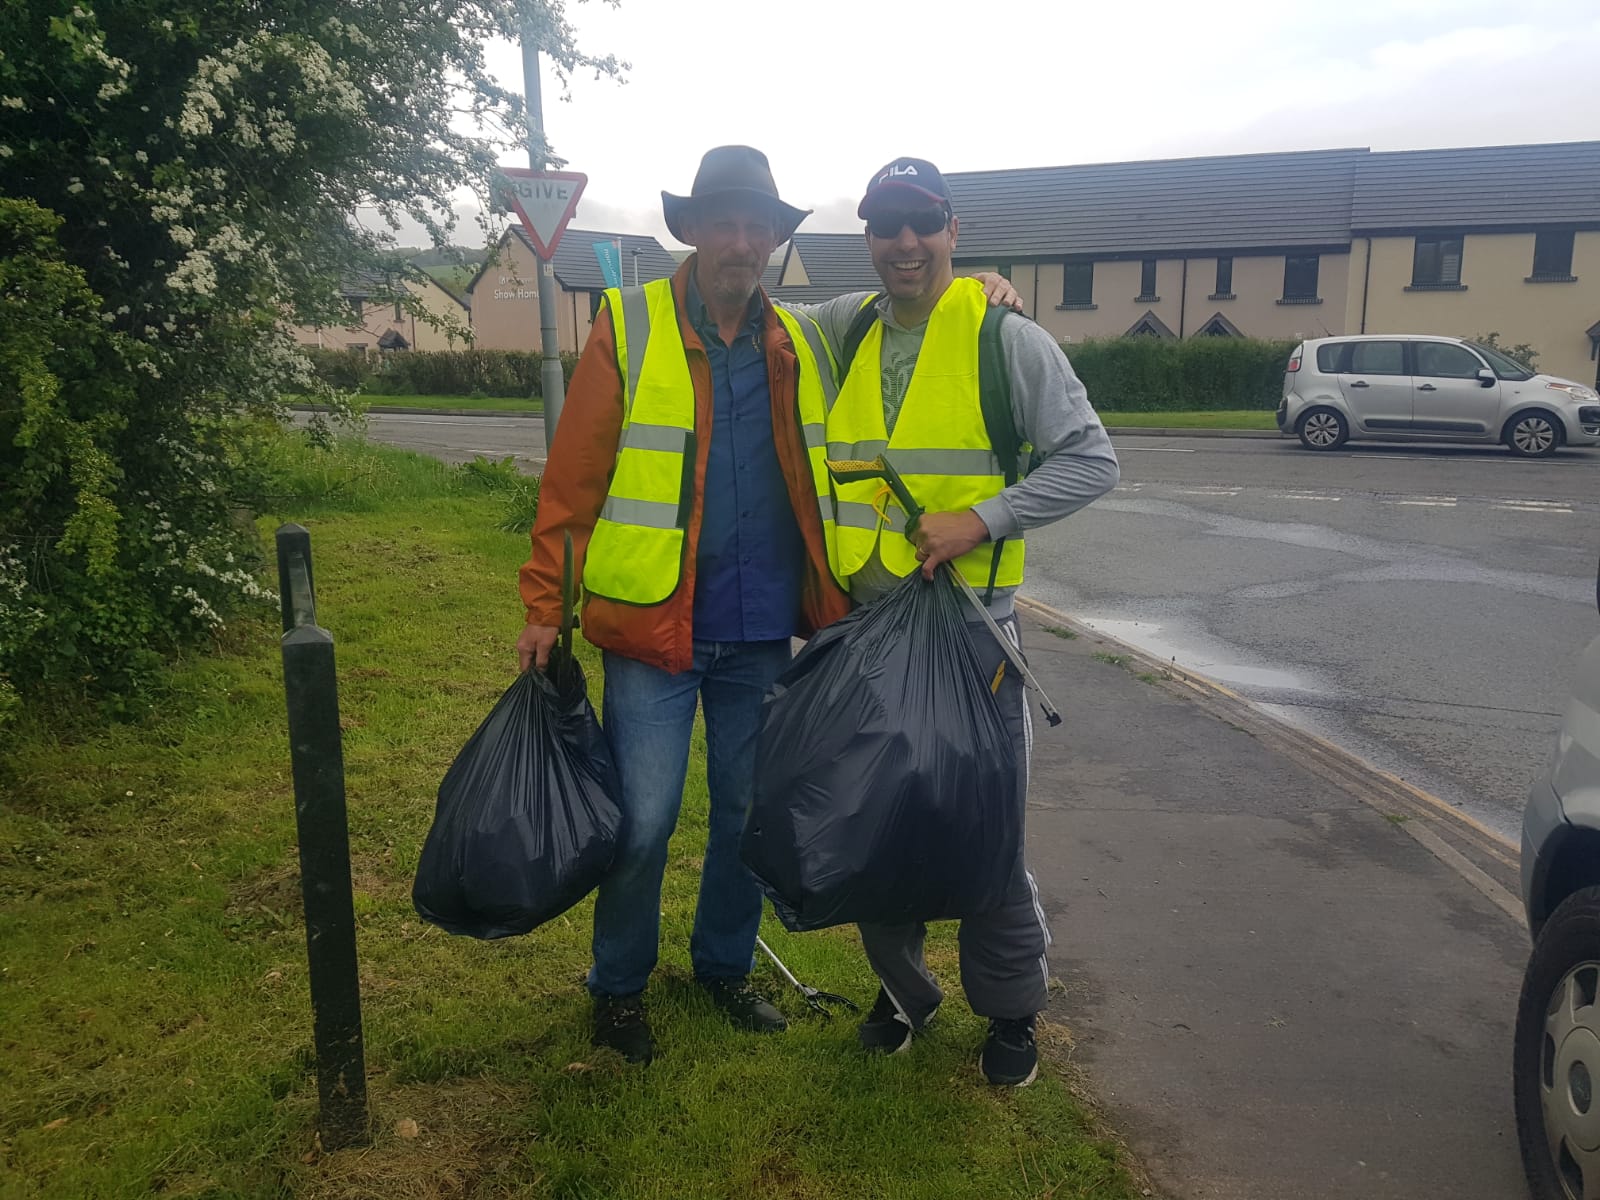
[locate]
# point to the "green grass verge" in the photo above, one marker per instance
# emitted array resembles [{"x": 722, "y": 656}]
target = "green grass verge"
[
  {"x": 154, "y": 1008},
  {"x": 1235, "y": 419},
  {"x": 454, "y": 403},
  {"x": 480, "y": 403}
]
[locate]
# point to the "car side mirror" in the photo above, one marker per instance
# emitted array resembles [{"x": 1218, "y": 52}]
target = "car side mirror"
[{"x": 1486, "y": 377}]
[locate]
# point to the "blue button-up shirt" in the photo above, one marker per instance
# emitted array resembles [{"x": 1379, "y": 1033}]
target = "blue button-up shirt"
[{"x": 751, "y": 557}]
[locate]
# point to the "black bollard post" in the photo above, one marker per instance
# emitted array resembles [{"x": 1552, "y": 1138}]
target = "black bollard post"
[{"x": 311, "y": 687}]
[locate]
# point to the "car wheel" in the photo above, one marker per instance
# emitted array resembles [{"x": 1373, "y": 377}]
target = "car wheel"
[
  {"x": 1322, "y": 429},
  {"x": 1556, "y": 1061},
  {"x": 1534, "y": 434}
]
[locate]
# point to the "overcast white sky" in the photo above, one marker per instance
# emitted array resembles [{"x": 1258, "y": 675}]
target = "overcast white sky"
[{"x": 831, "y": 89}]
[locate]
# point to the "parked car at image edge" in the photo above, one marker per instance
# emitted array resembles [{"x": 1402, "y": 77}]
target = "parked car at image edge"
[
  {"x": 1556, "y": 1058},
  {"x": 1410, "y": 387}
]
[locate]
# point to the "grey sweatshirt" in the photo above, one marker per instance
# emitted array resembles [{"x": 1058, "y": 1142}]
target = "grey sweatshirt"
[{"x": 1076, "y": 464}]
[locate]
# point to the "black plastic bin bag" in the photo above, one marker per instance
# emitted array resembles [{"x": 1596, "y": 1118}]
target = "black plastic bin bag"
[
  {"x": 526, "y": 824},
  {"x": 886, "y": 782}
]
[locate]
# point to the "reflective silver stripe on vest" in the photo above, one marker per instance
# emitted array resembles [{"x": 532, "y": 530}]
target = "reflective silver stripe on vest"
[
  {"x": 855, "y": 515},
  {"x": 920, "y": 462},
  {"x": 656, "y": 437},
  {"x": 652, "y": 514},
  {"x": 815, "y": 435},
  {"x": 819, "y": 351},
  {"x": 636, "y": 318},
  {"x": 848, "y": 451}
]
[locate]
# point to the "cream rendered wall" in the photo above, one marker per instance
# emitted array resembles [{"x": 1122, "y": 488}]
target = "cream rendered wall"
[
  {"x": 377, "y": 318},
  {"x": 1552, "y": 317}
]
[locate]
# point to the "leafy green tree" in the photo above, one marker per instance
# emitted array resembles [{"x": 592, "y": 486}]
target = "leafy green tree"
[{"x": 178, "y": 180}]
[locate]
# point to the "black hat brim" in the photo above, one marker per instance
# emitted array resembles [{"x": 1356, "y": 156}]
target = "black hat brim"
[{"x": 677, "y": 208}]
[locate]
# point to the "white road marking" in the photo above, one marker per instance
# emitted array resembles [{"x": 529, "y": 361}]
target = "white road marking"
[
  {"x": 1422, "y": 503},
  {"x": 1158, "y": 449},
  {"x": 1304, "y": 496},
  {"x": 1532, "y": 509}
]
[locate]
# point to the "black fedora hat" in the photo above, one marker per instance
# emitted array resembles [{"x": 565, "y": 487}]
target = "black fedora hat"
[{"x": 732, "y": 171}]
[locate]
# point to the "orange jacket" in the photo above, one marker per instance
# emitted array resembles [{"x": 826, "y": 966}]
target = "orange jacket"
[{"x": 578, "y": 473}]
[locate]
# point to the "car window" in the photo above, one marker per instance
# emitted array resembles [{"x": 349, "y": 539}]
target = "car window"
[
  {"x": 1441, "y": 360},
  {"x": 1329, "y": 355},
  {"x": 1504, "y": 366},
  {"x": 1377, "y": 358}
]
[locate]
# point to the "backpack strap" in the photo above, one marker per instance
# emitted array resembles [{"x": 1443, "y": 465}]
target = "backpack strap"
[
  {"x": 857, "y": 331},
  {"x": 994, "y": 397}
]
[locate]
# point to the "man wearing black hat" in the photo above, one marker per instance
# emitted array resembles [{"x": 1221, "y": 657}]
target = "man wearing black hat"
[
  {"x": 687, "y": 392},
  {"x": 925, "y": 377}
]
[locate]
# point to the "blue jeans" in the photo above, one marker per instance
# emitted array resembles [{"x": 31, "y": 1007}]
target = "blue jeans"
[{"x": 648, "y": 716}]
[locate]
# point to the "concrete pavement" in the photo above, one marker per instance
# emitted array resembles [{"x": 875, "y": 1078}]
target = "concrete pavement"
[{"x": 1285, "y": 974}]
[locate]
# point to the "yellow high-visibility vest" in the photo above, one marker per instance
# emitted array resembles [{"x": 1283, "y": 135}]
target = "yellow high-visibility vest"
[
  {"x": 940, "y": 446},
  {"x": 636, "y": 552}
]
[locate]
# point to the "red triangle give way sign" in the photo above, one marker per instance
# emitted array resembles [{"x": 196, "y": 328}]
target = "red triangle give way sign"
[{"x": 545, "y": 200}]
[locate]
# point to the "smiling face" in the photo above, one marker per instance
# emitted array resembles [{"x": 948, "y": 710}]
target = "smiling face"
[{"x": 911, "y": 241}]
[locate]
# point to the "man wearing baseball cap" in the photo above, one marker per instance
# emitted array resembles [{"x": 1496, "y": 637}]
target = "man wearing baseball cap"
[{"x": 925, "y": 382}]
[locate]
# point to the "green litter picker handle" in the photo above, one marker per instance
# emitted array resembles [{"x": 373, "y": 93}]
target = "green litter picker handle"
[{"x": 857, "y": 470}]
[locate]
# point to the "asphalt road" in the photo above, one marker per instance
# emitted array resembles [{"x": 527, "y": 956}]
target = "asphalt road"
[
  {"x": 1421, "y": 606},
  {"x": 460, "y": 438}
]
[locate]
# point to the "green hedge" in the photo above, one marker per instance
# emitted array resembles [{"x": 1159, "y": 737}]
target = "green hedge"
[
  {"x": 435, "y": 372},
  {"x": 1202, "y": 374}
]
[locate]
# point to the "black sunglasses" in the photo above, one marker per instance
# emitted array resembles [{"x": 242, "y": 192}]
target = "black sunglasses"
[{"x": 924, "y": 222}]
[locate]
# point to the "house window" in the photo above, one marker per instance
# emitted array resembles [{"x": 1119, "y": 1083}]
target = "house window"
[
  {"x": 1437, "y": 263},
  {"x": 1552, "y": 257},
  {"x": 1224, "y": 278},
  {"x": 1147, "y": 280},
  {"x": 358, "y": 309},
  {"x": 1077, "y": 285},
  {"x": 397, "y": 310},
  {"x": 1300, "y": 278}
]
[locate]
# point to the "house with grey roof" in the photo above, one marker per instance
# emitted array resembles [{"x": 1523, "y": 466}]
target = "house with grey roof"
[
  {"x": 1304, "y": 244},
  {"x": 504, "y": 300}
]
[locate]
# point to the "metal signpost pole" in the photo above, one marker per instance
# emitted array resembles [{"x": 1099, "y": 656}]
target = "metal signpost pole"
[{"x": 552, "y": 385}]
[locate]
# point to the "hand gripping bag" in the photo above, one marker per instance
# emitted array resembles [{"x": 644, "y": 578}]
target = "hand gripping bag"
[
  {"x": 526, "y": 824},
  {"x": 886, "y": 782}
]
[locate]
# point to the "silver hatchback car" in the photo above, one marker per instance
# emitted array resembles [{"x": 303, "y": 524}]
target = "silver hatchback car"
[
  {"x": 1407, "y": 386},
  {"x": 1556, "y": 1061}
]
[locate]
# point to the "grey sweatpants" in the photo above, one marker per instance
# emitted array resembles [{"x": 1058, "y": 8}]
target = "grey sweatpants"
[{"x": 1003, "y": 968}]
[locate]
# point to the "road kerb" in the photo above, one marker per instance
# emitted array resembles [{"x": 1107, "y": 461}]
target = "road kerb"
[{"x": 1453, "y": 837}]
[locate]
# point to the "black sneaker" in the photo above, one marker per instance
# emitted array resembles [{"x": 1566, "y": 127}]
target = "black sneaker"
[
  {"x": 619, "y": 1023},
  {"x": 1009, "y": 1056},
  {"x": 886, "y": 1029},
  {"x": 744, "y": 1006}
]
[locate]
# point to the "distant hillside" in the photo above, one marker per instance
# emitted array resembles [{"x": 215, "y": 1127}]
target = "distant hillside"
[{"x": 449, "y": 256}]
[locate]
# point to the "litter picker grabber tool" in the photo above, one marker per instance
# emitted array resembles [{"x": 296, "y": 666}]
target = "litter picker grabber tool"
[
  {"x": 855, "y": 470},
  {"x": 815, "y": 1000}
]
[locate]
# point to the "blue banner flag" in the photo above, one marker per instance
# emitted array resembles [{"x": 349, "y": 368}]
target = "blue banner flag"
[{"x": 610, "y": 256}]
